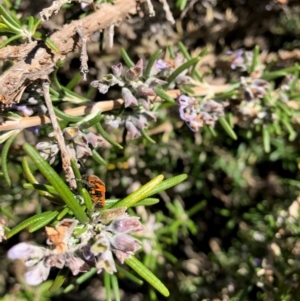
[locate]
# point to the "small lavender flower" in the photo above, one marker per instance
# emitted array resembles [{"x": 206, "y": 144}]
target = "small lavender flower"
[
  {"x": 48, "y": 150},
  {"x": 240, "y": 59},
  {"x": 132, "y": 129},
  {"x": 129, "y": 99},
  {"x": 253, "y": 88},
  {"x": 197, "y": 114}
]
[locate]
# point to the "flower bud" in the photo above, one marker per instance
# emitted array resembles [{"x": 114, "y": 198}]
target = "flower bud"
[
  {"x": 125, "y": 224},
  {"x": 129, "y": 99}
]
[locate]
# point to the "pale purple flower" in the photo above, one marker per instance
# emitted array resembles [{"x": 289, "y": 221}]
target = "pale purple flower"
[
  {"x": 125, "y": 224},
  {"x": 94, "y": 140},
  {"x": 48, "y": 150},
  {"x": 111, "y": 214},
  {"x": 133, "y": 73},
  {"x": 129, "y": 98},
  {"x": 132, "y": 129},
  {"x": 117, "y": 69},
  {"x": 144, "y": 90},
  {"x": 106, "y": 262},
  {"x": 124, "y": 243},
  {"x": 76, "y": 264},
  {"x": 161, "y": 64},
  {"x": 27, "y": 252},
  {"x": 153, "y": 82},
  {"x": 37, "y": 274},
  {"x": 114, "y": 121}
]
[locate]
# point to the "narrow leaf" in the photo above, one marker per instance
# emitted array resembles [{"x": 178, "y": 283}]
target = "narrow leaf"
[
  {"x": 106, "y": 136},
  {"x": 145, "y": 202},
  {"x": 43, "y": 222},
  {"x": 4, "y": 154},
  {"x": 163, "y": 95},
  {"x": 87, "y": 199},
  {"x": 266, "y": 139},
  {"x": 166, "y": 184},
  {"x": 151, "y": 62},
  {"x": 107, "y": 286},
  {"x": 181, "y": 68},
  {"x": 146, "y": 274},
  {"x": 42, "y": 187},
  {"x": 77, "y": 174},
  {"x": 12, "y": 20},
  {"x": 59, "y": 280},
  {"x": 255, "y": 60},
  {"x": 55, "y": 180},
  {"x": 115, "y": 287},
  {"x": 8, "y": 41},
  {"x": 98, "y": 158},
  {"x": 62, "y": 115},
  {"x": 126, "y": 58},
  {"x": 24, "y": 224},
  {"x": 62, "y": 214},
  {"x": 147, "y": 137},
  {"x": 139, "y": 194},
  {"x": 227, "y": 128},
  {"x": 129, "y": 275}
]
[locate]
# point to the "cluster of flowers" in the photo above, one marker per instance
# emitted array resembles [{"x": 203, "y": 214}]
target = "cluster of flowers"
[
  {"x": 196, "y": 114},
  {"x": 253, "y": 91},
  {"x": 77, "y": 144},
  {"x": 135, "y": 93},
  {"x": 164, "y": 68},
  {"x": 107, "y": 233}
]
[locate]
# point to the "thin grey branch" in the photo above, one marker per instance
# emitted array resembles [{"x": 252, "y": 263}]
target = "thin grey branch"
[
  {"x": 84, "y": 68},
  {"x": 70, "y": 177}
]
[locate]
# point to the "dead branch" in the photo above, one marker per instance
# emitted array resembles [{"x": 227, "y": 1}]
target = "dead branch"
[{"x": 38, "y": 57}]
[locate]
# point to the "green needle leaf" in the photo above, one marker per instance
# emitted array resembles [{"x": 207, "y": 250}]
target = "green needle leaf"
[
  {"x": 43, "y": 222},
  {"x": 27, "y": 223},
  {"x": 146, "y": 274},
  {"x": 139, "y": 194},
  {"x": 62, "y": 214},
  {"x": 87, "y": 199},
  {"x": 76, "y": 174},
  {"x": 98, "y": 158},
  {"x": 126, "y": 58},
  {"x": 107, "y": 286},
  {"x": 266, "y": 139},
  {"x": 42, "y": 187},
  {"x": 9, "y": 19},
  {"x": 151, "y": 62},
  {"x": 166, "y": 184},
  {"x": 4, "y": 154},
  {"x": 227, "y": 128},
  {"x": 129, "y": 275},
  {"x": 55, "y": 180},
  {"x": 6, "y": 42},
  {"x": 145, "y": 202},
  {"x": 255, "y": 60},
  {"x": 62, "y": 115},
  {"x": 181, "y": 68},
  {"x": 163, "y": 95},
  {"x": 147, "y": 137},
  {"x": 115, "y": 287},
  {"x": 59, "y": 280},
  {"x": 106, "y": 136}
]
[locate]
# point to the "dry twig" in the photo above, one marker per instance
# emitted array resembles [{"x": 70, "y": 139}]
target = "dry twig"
[
  {"x": 37, "y": 57},
  {"x": 84, "y": 68},
  {"x": 58, "y": 135}
]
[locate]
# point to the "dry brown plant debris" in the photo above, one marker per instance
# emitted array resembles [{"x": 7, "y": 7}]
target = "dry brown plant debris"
[{"x": 35, "y": 60}]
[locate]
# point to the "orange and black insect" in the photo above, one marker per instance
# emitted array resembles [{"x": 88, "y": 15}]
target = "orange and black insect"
[{"x": 96, "y": 189}]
